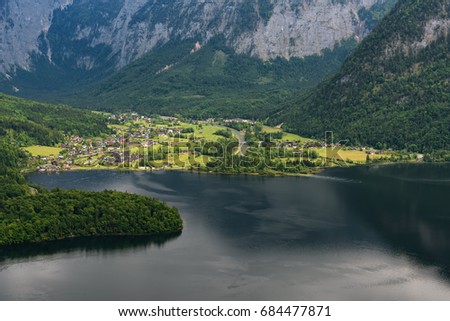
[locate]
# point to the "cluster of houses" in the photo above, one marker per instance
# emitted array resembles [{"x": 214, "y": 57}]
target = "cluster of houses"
[
  {"x": 209, "y": 121},
  {"x": 128, "y": 145},
  {"x": 122, "y": 147},
  {"x": 52, "y": 163},
  {"x": 239, "y": 121}
]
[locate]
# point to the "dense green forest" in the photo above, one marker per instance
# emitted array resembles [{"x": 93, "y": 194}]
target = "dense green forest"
[
  {"x": 390, "y": 91},
  {"x": 212, "y": 82},
  {"x": 33, "y": 214},
  {"x": 27, "y": 122},
  {"x": 63, "y": 214}
]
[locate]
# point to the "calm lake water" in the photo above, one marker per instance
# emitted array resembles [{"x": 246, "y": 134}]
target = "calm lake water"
[{"x": 378, "y": 233}]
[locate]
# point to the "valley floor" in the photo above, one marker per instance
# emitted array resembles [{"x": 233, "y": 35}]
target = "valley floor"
[{"x": 233, "y": 146}]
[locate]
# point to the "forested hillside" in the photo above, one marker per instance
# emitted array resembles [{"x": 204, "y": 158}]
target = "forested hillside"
[
  {"x": 27, "y": 122},
  {"x": 33, "y": 214},
  {"x": 393, "y": 91},
  {"x": 213, "y": 81}
]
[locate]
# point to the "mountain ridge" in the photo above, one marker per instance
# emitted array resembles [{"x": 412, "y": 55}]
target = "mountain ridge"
[
  {"x": 59, "y": 44},
  {"x": 393, "y": 90}
]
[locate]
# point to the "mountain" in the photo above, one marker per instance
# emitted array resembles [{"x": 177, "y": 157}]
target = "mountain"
[
  {"x": 211, "y": 82},
  {"x": 393, "y": 90},
  {"x": 53, "y": 48}
]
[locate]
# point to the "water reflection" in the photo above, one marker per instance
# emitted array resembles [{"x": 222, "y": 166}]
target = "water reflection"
[
  {"x": 88, "y": 245},
  {"x": 378, "y": 233},
  {"x": 407, "y": 206}
]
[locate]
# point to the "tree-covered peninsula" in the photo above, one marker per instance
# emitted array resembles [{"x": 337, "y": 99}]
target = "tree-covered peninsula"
[{"x": 33, "y": 214}]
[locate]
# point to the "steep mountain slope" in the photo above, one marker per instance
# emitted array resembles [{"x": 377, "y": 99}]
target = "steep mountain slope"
[
  {"x": 393, "y": 90},
  {"x": 58, "y": 45},
  {"x": 213, "y": 81},
  {"x": 25, "y": 122}
]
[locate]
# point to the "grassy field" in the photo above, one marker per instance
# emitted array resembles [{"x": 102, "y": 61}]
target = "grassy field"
[
  {"x": 43, "y": 150},
  {"x": 293, "y": 137},
  {"x": 119, "y": 127},
  {"x": 353, "y": 155},
  {"x": 205, "y": 131},
  {"x": 267, "y": 129},
  {"x": 186, "y": 160},
  {"x": 286, "y": 136}
]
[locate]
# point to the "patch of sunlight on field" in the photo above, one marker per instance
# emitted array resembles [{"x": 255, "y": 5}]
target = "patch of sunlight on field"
[
  {"x": 353, "y": 155},
  {"x": 43, "y": 150}
]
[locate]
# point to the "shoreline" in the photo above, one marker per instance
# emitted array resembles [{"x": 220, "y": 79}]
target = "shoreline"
[
  {"x": 181, "y": 170},
  {"x": 94, "y": 236}
]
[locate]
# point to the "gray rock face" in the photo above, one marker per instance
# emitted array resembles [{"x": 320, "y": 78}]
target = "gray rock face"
[
  {"x": 304, "y": 29},
  {"x": 21, "y": 23},
  {"x": 73, "y": 31}
]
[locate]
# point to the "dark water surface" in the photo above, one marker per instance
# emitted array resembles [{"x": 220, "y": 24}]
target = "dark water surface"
[{"x": 379, "y": 233}]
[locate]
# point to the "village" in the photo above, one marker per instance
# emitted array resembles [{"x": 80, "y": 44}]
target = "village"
[
  {"x": 133, "y": 137},
  {"x": 146, "y": 143}
]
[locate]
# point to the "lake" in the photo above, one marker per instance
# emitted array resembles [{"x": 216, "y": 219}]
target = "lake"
[{"x": 366, "y": 233}]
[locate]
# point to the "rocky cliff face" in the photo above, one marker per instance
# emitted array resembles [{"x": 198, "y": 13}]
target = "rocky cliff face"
[
  {"x": 21, "y": 23},
  {"x": 87, "y": 34}
]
